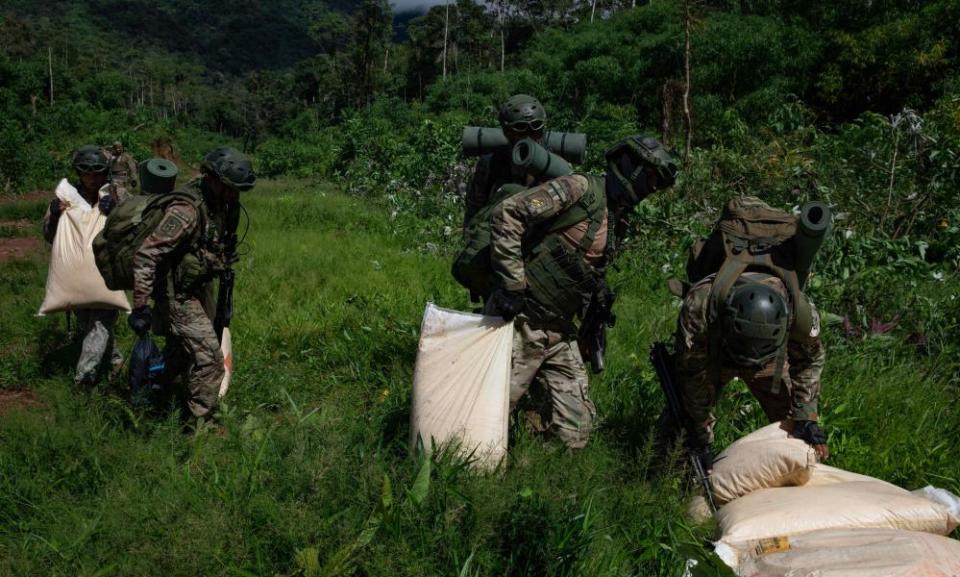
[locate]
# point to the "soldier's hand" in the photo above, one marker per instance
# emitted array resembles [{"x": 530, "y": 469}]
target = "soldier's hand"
[
  {"x": 507, "y": 304},
  {"x": 141, "y": 319},
  {"x": 810, "y": 432},
  {"x": 56, "y": 208},
  {"x": 106, "y": 204}
]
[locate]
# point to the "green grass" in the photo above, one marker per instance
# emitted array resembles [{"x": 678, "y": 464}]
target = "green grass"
[{"x": 312, "y": 474}]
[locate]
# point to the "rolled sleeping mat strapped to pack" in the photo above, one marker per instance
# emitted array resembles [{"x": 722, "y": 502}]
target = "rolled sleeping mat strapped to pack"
[
  {"x": 158, "y": 176},
  {"x": 535, "y": 160},
  {"x": 813, "y": 226},
  {"x": 571, "y": 146},
  {"x": 479, "y": 140}
]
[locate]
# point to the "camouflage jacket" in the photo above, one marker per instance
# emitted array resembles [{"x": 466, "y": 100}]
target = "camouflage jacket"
[
  {"x": 183, "y": 254},
  {"x": 805, "y": 353},
  {"x": 515, "y": 217},
  {"x": 123, "y": 168}
]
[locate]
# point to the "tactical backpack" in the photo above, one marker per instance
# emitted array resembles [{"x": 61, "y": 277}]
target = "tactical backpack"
[
  {"x": 127, "y": 227},
  {"x": 472, "y": 267},
  {"x": 751, "y": 236}
]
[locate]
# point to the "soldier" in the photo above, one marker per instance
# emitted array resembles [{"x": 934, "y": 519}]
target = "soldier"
[
  {"x": 95, "y": 325},
  {"x": 521, "y": 116},
  {"x": 194, "y": 243},
  {"x": 123, "y": 171},
  {"x": 549, "y": 246},
  {"x": 744, "y": 320}
]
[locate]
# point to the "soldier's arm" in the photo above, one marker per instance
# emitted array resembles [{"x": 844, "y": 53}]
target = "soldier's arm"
[
  {"x": 177, "y": 224},
  {"x": 50, "y": 226},
  {"x": 692, "y": 364},
  {"x": 514, "y": 216},
  {"x": 806, "y": 355},
  {"x": 132, "y": 168}
]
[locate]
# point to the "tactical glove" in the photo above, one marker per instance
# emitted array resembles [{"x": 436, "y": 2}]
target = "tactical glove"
[
  {"x": 56, "y": 208},
  {"x": 810, "y": 432},
  {"x": 140, "y": 320},
  {"x": 106, "y": 204},
  {"x": 507, "y": 304}
]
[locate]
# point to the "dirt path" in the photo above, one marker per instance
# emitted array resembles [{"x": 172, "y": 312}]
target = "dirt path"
[
  {"x": 18, "y": 247},
  {"x": 35, "y": 196},
  {"x": 10, "y": 400}
]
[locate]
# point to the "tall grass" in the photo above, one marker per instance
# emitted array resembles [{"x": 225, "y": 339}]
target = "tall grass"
[{"x": 312, "y": 475}]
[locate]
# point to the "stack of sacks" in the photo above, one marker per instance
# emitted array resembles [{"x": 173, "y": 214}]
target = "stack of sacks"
[{"x": 785, "y": 514}]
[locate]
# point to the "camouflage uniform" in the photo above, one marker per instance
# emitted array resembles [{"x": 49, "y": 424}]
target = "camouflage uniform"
[
  {"x": 184, "y": 303},
  {"x": 95, "y": 326},
  {"x": 545, "y": 346},
  {"x": 800, "y": 386},
  {"x": 123, "y": 174}
]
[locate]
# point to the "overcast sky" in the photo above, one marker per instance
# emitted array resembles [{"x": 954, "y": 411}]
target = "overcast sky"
[{"x": 404, "y": 5}]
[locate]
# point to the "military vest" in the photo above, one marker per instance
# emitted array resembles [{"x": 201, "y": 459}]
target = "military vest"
[
  {"x": 207, "y": 253},
  {"x": 560, "y": 279}
]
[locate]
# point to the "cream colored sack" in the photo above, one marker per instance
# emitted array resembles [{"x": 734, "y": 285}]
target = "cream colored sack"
[
  {"x": 848, "y": 553},
  {"x": 73, "y": 281},
  {"x": 833, "y": 499},
  {"x": 767, "y": 457},
  {"x": 461, "y": 384},
  {"x": 226, "y": 349}
]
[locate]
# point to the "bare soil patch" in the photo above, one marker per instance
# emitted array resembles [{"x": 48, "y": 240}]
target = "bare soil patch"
[
  {"x": 10, "y": 399},
  {"x": 35, "y": 196},
  {"x": 12, "y": 248}
]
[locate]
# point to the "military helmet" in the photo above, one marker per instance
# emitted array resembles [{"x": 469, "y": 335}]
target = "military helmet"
[
  {"x": 523, "y": 113},
  {"x": 628, "y": 160},
  {"x": 754, "y": 323},
  {"x": 231, "y": 166},
  {"x": 89, "y": 158}
]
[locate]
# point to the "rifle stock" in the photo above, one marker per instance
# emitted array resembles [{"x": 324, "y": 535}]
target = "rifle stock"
[{"x": 662, "y": 364}]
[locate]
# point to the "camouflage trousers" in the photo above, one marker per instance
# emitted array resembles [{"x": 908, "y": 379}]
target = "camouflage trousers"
[
  {"x": 700, "y": 396},
  {"x": 96, "y": 332},
  {"x": 553, "y": 361},
  {"x": 193, "y": 353}
]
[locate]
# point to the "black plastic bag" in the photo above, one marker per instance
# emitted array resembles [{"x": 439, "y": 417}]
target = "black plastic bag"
[{"x": 146, "y": 368}]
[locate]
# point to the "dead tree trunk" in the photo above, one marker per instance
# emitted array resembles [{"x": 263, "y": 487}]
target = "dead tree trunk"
[
  {"x": 687, "y": 115},
  {"x": 446, "y": 32}
]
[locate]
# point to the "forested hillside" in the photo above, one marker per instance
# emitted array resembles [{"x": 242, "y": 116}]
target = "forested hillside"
[{"x": 353, "y": 119}]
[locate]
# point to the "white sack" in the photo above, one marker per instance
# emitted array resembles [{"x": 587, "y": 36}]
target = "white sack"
[
  {"x": 226, "y": 349},
  {"x": 73, "y": 281},
  {"x": 461, "y": 384},
  {"x": 849, "y": 553},
  {"x": 832, "y": 499},
  {"x": 767, "y": 457}
]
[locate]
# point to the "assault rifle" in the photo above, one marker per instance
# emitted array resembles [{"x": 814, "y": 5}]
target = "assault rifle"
[
  {"x": 663, "y": 365},
  {"x": 593, "y": 333},
  {"x": 225, "y": 290}
]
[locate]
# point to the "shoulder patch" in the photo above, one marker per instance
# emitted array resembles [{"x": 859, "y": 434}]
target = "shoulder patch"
[
  {"x": 171, "y": 225},
  {"x": 538, "y": 203}
]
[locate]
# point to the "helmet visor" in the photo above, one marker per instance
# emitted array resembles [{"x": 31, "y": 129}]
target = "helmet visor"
[
  {"x": 89, "y": 167},
  {"x": 526, "y": 126}
]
